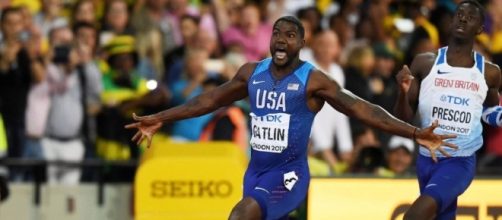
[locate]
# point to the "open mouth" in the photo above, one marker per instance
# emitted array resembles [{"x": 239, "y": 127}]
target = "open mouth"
[
  {"x": 460, "y": 28},
  {"x": 280, "y": 53}
]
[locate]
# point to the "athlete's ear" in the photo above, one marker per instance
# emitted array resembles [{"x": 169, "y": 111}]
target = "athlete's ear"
[
  {"x": 480, "y": 29},
  {"x": 302, "y": 43}
]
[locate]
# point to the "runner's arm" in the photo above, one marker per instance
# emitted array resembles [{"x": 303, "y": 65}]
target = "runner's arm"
[{"x": 204, "y": 103}]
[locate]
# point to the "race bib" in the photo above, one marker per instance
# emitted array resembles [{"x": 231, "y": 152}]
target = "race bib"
[
  {"x": 453, "y": 113},
  {"x": 269, "y": 133}
]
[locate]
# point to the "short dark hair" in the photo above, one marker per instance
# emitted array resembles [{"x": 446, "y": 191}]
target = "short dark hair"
[
  {"x": 7, "y": 11},
  {"x": 476, "y": 4},
  {"x": 81, "y": 24},
  {"x": 295, "y": 21}
]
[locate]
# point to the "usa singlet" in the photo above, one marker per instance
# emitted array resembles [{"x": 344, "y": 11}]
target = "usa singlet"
[
  {"x": 277, "y": 176},
  {"x": 454, "y": 96}
]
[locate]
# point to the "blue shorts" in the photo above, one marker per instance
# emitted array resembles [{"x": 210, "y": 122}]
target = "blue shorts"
[
  {"x": 445, "y": 181},
  {"x": 270, "y": 190}
]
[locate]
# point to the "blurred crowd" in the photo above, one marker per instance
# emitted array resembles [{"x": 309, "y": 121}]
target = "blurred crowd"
[{"x": 72, "y": 73}]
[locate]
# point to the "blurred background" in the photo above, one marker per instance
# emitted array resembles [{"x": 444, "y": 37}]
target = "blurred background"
[{"x": 72, "y": 73}]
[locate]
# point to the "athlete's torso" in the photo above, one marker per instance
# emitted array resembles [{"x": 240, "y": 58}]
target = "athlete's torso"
[
  {"x": 280, "y": 118},
  {"x": 454, "y": 96}
]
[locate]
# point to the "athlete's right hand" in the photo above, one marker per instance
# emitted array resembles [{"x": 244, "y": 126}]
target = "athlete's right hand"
[
  {"x": 433, "y": 142},
  {"x": 147, "y": 126},
  {"x": 404, "y": 78}
]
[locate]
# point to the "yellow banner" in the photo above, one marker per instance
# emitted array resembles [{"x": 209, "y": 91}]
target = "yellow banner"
[
  {"x": 189, "y": 181},
  {"x": 390, "y": 198}
]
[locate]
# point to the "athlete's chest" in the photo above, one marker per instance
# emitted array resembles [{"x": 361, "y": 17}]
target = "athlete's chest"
[{"x": 283, "y": 95}]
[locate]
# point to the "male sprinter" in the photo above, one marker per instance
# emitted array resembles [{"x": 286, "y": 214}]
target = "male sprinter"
[
  {"x": 285, "y": 93},
  {"x": 453, "y": 87}
]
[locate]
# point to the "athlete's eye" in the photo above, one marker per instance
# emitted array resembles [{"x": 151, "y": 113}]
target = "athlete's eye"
[{"x": 291, "y": 36}]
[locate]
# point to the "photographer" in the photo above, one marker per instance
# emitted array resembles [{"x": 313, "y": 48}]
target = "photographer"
[
  {"x": 71, "y": 81},
  {"x": 20, "y": 67}
]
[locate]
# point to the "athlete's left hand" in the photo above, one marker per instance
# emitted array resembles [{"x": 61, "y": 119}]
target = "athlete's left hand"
[
  {"x": 433, "y": 142},
  {"x": 147, "y": 126}
]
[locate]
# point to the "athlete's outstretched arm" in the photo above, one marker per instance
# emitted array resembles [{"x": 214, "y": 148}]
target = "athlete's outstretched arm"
[
  {"x": 409, "y": 86},
  {"x": 223, "y": 95},
  {"x": 373, "y": 115}
]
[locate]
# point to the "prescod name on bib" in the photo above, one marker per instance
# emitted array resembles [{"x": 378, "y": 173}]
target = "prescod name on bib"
[
  {"x": 269, "y": 133},
  {"x": 453, "y": 117}
]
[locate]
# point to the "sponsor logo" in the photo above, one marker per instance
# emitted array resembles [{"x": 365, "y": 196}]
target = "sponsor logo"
[
  {"x": 440, "y": 72},
  {"x": 257, "y": 82},
  {"x": 290, "y": 179},
  {"x": 430, "y": 185},
  {"x": 191, "y": 188},
  {"x": 455, "y": 100}
]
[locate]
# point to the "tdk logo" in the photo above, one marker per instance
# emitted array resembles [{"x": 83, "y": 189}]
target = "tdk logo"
[
  {"x": 455, "y": 100},
  {"x": 269, "y": 118}
]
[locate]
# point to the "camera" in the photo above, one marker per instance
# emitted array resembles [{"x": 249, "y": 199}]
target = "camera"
[{"x": 61, "y": 54}]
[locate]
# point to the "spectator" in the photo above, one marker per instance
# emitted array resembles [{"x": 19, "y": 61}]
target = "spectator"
[
  {"x": 125, "y": 91},
  {"x": 425, "y": 37},
  {"x": 330, "y": 125},
  {"x": 152, "y": 17},
  {"x": 85, "y": 37},
  {"x": 20, "y": 67},
  {"x": 344, "y": 22},
  {"x": 185, "y": 89},
  {"x": 361, "y": 61},
  {"x": 382, "y": 81},
  {"x": 399, "y": 157},
  {"x": 84, "y": 11},
  {"x": 173, "y": 60},
  {"x": 369, "y": 161},
  {"x": 313, "y": 16},
  {"x": 116, "y": 19},
  {"x": 362, "y": 137},
  {"x": 228, "y": 123},
  {"x": 49, "y": 17},
  {"x": 72, "y": 83},
  {"x": 306, "y": 51},
  {"x": 251, "y": 36}
]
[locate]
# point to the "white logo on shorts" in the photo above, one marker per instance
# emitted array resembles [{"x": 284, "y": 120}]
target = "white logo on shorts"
[
  {"x": 290, "y": 180},
  {"x": 429, "y": 185}
]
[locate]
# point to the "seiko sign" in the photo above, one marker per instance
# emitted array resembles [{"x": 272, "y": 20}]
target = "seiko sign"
[{"x": 191, "y": 188}]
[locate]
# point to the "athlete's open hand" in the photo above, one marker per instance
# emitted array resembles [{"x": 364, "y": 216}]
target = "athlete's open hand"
[
  {"x": 427, "y": 138},
  {"x": 404, "y": 78},
  {"x": 147, "y": 126}
]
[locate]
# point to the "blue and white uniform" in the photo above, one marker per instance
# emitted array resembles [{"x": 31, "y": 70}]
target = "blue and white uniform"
[
  {"x": 454, "y": 96},
  {"x": 278, "y": 176}
]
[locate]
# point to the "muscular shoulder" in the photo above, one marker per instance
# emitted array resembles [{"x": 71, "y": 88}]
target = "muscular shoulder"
[
  {"x": 317, "y": 77},
  {"x": 320, "y": 81},
  {"x": 422, "y": 64},
  {"x": 245, "y": 71},
  {"x": 492, "y": 75}
]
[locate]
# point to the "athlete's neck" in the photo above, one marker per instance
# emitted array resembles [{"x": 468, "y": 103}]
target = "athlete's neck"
[
  {"x": 280, "y": 71},
  {"x": 460, "y": 53}
]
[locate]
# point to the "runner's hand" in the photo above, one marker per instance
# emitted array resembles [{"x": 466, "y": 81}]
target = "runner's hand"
[
  {"x": 433, "y": 142},
  {"x": 147, "y": 126},
  {"x": 404, "y": 79}
]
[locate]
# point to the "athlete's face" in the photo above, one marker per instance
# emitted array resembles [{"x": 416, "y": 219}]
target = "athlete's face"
[
  {"x": 467, "y": 22},
  {"x": 286, "y": 43}
]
